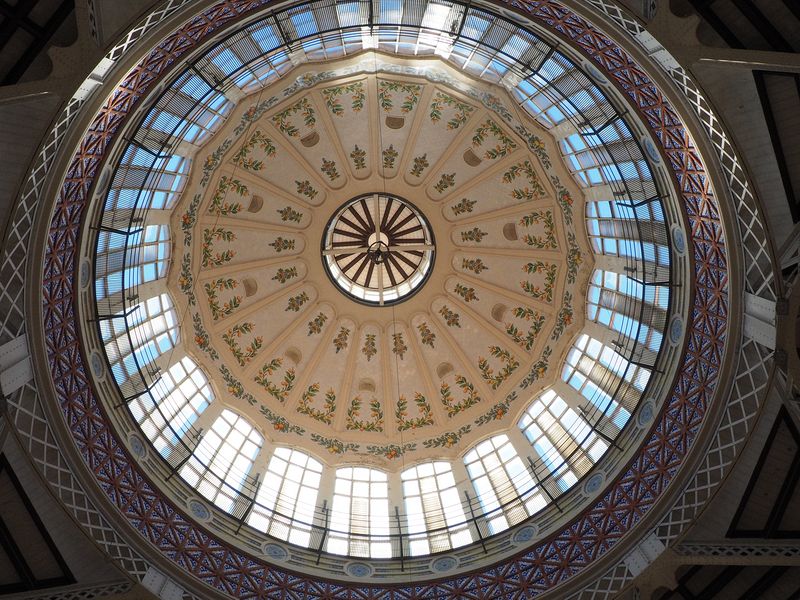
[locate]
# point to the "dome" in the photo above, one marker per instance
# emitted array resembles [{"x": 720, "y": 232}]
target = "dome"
[
  {"x": 391, "y": 294},
  {"x": 380, "y": 284}
]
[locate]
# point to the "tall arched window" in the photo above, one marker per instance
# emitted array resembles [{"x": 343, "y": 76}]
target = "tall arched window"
[
  {"x": 610, "y": 383},
  {"x": 125, "y": 261},
  {"x": 564, "y": 440},
  {"x": 613, "y": 230},
  {"x": 173, "y": 404},
  {"x": 499, "y": 477},
  {"x": 146, "y": 181},
  {"x": 432, "y": 503},
  {"x": 220, "y": 464},
  {"x": 598, "y": 159},
  {"x": 287, "y": 496},
  {"x": 135, "y": 340},
  {"x": 164, "y": 122},
  {"x": 360, "y": 506},
  {"x": 559, "y": 91},
  {"x": 626, "y": 306}
]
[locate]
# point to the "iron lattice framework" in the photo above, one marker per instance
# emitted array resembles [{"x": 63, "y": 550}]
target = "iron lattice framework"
[{"x": 539, "y": 568}]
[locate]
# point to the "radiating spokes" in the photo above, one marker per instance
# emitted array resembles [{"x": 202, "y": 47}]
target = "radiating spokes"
[{"x": 378, "y": 242}]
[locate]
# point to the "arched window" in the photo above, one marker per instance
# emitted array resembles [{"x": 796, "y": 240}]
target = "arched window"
[
  {"x": 135, "y": 340},
  {"x": 558, "y": 91},
  {"x": 479, "y": 50},
  {"x": 626, "y": 306},
  {"x": 164, "y": 123},
  {"x": 173, "y": 404},
  {"x": 146, "y": 181},
  {"x": 360, "y": 506},
  {"x": 287, "y": 496},
  {"x": 220, "y": 464},
  {"x": 613, "y": 231},
  {"x": 432, "y": 503},
  {"x": 610, "y": 383},
  {"x": 604, "y": 158},
  {"x": 125, "y": 261},
  {"x": 564, "y": 440},
  {"x": 499, "y": 476}
]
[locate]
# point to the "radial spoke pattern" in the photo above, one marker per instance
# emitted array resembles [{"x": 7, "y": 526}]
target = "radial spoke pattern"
[{"x": 378, "y": 248}]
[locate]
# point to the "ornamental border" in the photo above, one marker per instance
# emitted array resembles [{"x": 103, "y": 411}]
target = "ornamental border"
[{"x": 544, "y": 565}]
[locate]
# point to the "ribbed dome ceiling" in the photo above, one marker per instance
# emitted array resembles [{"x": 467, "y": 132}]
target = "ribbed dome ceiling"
[{"x": 266, "y": 209}]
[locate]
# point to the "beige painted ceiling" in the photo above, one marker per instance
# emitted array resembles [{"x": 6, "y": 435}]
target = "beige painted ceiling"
[{"x": 381, "y": 384}]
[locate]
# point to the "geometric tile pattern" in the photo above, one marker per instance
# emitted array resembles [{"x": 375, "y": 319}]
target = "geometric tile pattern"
[{"x": 539, "y": 568}]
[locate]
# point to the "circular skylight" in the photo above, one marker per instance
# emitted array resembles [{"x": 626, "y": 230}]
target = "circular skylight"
[{"x": 378, "y": 248}]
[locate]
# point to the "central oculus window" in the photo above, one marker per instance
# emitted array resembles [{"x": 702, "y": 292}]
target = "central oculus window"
[{"x": 378, "y": 249}]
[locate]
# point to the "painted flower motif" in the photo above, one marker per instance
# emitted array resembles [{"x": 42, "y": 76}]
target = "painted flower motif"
[
  {"x": 278, "y": 391},
  {"x": 398, "y": 345},
  {"x": 426, "y": 336},
  {"x": 369, "y": 349},
  {"x": 282, "y": 244},
  {"x": 425, "y": 413},
  {"x": 333, "y": 102},
  {"x": 466, "y": 293},
  {"x": 340, "y": 341},
  {"x": 525, "y": 170},
  {"x": 446, "y": 181},
  {"x": 295, "y": 302},
  {"x": 282, "y": 275},
  {"x": 282, "y": 119},
  {"x": 574, "y": 258},
  {"x": 564, "y": 199},
  {"x": 212, "y": 290},
  {"x": 464, "y": 206},
  {"x": 359, "y": 158},
  {"x": 231, "y": 337},
  {"x": 504, "y": 145},
  {"x": 461, "y": 110},
  {"x": 386, "y": 90},
  {"x": 353, "y": 422},
  {"x": 508, "y": 362},
  {"x": 315, "y": 325},
  {"x": 536, "y": 320},
  {"x": 289, "y": 214},
  {"x": 564, "y": 318},
  {"x": 450, "y": 317},
  {"x": 550, "y": 272},
  {"x": 209, "y": 258},
  {"x": 470, "y": 396},
  {"x": 538, "y": 369},
  {"x": 329, "y": 169},
  {"x": 420, "y": 164},
  {"x": 447, "y": 440},
  {"x": 475, "y": 265},
  {"x": 548, "y": 239},
  {"x": 473, "y": 235},
  {"x": 389, "y": 157},
  {"x": 304, "y": 188}
]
